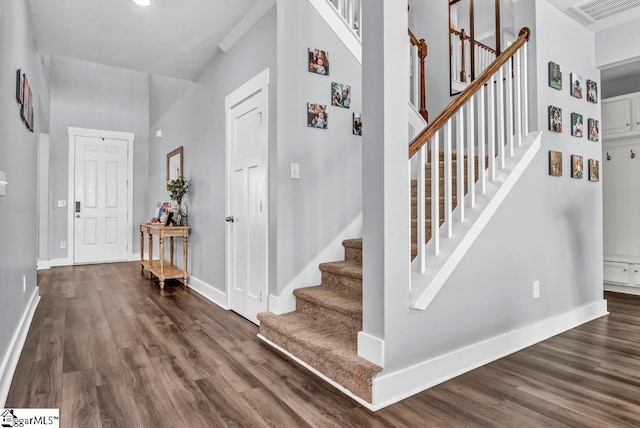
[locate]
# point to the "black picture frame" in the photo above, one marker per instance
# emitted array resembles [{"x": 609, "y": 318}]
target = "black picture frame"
[
  {"x": 592, "y": 91},
  {"x": 555, "y": 119},
  {"x": 555, "y": 76}
]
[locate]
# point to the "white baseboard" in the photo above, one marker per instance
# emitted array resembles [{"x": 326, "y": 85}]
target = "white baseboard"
[
  {"x": 61, "y": 262},
  {"x": 622, "y": 289},
  {"x": 209, "y": 292},
  {"x": 336, "y": 385},
  {"x": 43, "y": 265},
  {"x": 371, "y": 348},
  {"x": 12, "y": 354},
  {"x": 310, "y": 275},
  {"x": 389, "y": 388}
]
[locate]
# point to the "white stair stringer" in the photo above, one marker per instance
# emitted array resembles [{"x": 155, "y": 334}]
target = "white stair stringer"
[{"x": 425, "y": 286}]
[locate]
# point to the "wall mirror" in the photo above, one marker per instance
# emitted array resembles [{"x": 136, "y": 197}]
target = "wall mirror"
[
  {"x": 174, "y": 164},
  {"x": 477, "y": 35}
]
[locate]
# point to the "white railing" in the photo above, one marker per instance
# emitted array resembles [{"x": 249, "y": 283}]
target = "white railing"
[
  {"x": 461, "y": 53},
  {"x": 351, "y": 12},
  {"x": 485, "y": 123}
]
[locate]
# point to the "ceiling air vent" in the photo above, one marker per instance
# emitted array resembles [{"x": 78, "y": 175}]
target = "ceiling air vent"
[{"x": 597, "y": 10}]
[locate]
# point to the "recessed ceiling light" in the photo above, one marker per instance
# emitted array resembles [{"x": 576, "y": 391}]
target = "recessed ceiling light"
[{"x": 142, "y": 2}]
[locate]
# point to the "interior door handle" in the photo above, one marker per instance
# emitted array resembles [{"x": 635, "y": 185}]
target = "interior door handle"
[
  {"x": 77, "y": 206},
  {"x": 230, "y": 219}
]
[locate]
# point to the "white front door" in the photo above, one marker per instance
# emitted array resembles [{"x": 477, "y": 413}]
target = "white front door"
[
  {"x": 247, "y": 231},
  {"x": 100, "y": 206}
]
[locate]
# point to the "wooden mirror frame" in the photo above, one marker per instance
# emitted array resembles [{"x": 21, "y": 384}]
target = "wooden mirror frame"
[{"x": 170, "y": 156}]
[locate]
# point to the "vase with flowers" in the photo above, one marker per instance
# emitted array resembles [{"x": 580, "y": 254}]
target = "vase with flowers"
[{"x": 178, "y": 188}]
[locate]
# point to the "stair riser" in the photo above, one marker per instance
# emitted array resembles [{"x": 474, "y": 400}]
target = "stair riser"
[
  {"x": 359, "y": 385},
  {"x": 335, "y": 280},
  {"x": 344, "y": 325},
  {"x": 354, "y": 255}
]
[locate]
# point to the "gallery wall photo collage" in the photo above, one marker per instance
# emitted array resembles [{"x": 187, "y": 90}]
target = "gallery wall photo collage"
[
  {"x": 581, "y": 89},
  {"x": 340, "y": 95}
]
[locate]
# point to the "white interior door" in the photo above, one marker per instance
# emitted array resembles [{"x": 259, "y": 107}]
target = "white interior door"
[
  {"x": 247, "y": 232},
  {"x": 101, "y": 204}
]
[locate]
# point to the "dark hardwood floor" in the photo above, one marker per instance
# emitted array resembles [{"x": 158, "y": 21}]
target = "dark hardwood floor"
[{"x": 110, "y": 349}]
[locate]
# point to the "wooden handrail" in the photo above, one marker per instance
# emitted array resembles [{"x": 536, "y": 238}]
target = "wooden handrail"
[
  {"x": 464, "y": 36},
  {"x": 423, "y": 51},
  {"x": 455, "y": 105}
]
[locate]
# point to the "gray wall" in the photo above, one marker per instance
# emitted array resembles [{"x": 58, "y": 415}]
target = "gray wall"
[
  {"x": 89, "y": 95},
  {"x": 548, "y": 228},
  {"x": 18, "y": 158},
  {"x": 314, "y": 210},
  {"x": 192, "y": 115}
]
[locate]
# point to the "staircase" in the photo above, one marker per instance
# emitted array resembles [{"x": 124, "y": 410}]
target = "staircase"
[{"x": 323, "y": 330}]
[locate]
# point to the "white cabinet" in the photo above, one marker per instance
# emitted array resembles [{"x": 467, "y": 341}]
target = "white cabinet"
[
  {"x": 621, "y": 116},
  {"x": 617, "y": 273}
]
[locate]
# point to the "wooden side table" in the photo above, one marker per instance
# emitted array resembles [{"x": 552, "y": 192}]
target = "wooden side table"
[{"x": 160, "y": 268}]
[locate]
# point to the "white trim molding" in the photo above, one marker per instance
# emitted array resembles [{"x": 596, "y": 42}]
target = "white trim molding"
[
  {"x": 371, "y": 348},
  {"x": 66, "y": 261},
  {"x": 339, "y": 26},
  {"x": 209, "y": 292},
  {"x": 389, "y": 388},
  {"x": 96, "y": 133},
  {"x": 43, "y": 265},
  {"x": 12, "y": 354}
]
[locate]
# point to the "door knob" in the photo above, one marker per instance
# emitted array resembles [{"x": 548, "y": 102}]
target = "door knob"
[{"x": 230, "y": 219}]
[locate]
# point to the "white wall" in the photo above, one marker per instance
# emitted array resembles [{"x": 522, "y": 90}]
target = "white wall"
[
  {"x": 314, "y": 210},
  {"x": 95, "y": 96},
  {"x": 18, "y": 158},
  {"x": 617, "y": 45},
  {"x": 548, "y": 229},
  {"x": 192, "y": 115}
]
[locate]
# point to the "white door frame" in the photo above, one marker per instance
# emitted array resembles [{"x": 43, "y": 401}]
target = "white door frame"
[
  {"x": 43, "y": 202},
  {"x": 260, "y": 82},
  {"x": 97, "y": 133}
]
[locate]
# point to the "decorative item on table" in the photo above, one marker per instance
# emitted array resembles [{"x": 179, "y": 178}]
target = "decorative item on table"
[{"x": 178, "y": 188}]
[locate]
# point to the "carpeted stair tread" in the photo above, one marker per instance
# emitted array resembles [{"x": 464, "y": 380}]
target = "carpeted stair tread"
[
  {"x": 317, "y": 345},
  {"x": 337, "y": 299},
  {"x": 344, "y": 268}
]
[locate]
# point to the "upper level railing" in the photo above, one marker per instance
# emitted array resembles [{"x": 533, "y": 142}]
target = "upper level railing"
[
  {"x": 351, "y": 12},
  {"x": 468, "y": 58},
  {"x": 476, "y": 132}
]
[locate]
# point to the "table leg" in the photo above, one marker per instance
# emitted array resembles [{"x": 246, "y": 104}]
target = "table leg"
[
  {"x": 171, "y": 250},
  {"x": 141, "y": 252},
  {"x": 150, "y": 252},
  {"x": 161, "y": 277},
  {"x": 185, "y": 257}
]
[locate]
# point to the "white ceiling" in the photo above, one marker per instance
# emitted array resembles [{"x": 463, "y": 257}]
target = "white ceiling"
[
  {"x": 628, "y": 10},
  {"x": 176, "y": 38}
]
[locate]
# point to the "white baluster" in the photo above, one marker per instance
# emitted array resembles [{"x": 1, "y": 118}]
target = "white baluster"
[
  {"x": 448, "y": 181},
  {"x": 509, "y": 84},
  {"x": 471, "y": 114},
  {"x": 525, "y": 91},
  {"x": 435, "y": 192},
  {"x": 421, "y": 207},
  {"x": 491, "y": 120},
  {"x": 500, "y": 117},
  {"x": 481, "y": 141},
  {"x": 517, "y": 111},
  {"x": 460, "y": 163}
]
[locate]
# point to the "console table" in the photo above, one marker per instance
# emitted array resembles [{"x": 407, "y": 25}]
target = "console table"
[{"x": 160, "y": 268}]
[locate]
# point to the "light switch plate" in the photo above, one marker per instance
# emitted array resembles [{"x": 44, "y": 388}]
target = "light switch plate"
[
  {"x": 62, "y": 204},
  {"x": 295, "y": 171},
  {"x": 3, "y": 183}
]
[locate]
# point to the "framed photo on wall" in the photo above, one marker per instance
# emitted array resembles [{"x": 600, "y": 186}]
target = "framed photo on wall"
[
  {"x": 318, "y": 61},
  {"x": 555, "y": 119},
  {"x": 357, "y": 123},
  {"x": 592, "y": 91},
  {"x": 594, "y": 170},
  {"x": 317, "y": 116},
  {"x": 577, "y": 85},
  {"x": 577, "y": 167},
  {"x": 593, "y": 130},
  {"x": 555, "y": 75},
  {"x": 577, "y": 125},
  {"x": 340, "y": 95},
  {"x": 555, "y": 163}
]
